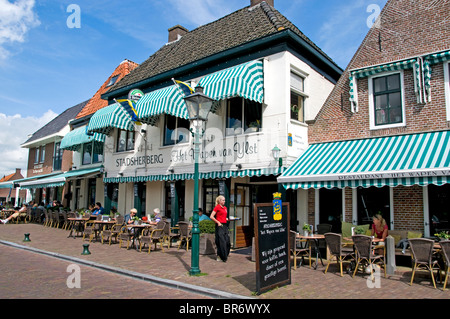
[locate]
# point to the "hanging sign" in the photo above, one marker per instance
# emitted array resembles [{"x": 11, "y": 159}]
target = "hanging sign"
[{"x": 135, "y": 95}]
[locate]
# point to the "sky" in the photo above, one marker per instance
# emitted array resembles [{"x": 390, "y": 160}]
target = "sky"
[{"x": 56, "y": 54}]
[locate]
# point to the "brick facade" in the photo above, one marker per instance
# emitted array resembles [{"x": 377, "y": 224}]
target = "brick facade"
[{"x": 408, "y": 29}]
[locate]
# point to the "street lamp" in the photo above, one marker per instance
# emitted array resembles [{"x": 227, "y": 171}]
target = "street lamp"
[
  {"x": 276, "y": 155},
  {"x": 198, "y": 107}
]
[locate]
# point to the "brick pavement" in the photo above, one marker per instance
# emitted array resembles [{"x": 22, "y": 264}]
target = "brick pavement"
[{"x": 237, "y": 276}]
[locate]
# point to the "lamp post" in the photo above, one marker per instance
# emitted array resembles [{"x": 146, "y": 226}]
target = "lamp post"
[{"x": 198, "y": 107}]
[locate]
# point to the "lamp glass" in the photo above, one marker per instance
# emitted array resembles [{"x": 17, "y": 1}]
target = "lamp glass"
[
  {"x": 276, "y": 152},
  {"x": 198, "y": 105}
]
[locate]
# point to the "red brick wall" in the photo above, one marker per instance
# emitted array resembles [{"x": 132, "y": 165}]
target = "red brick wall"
[
  {"x": 408, "y": 208},
  {"x": 408, "y": 29}
]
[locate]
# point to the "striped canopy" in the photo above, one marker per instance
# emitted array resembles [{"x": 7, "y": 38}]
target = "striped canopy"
[
  {"x": 163, "y": 101},
  {"x": 244, "y": 80},
  {"x": 202, "y": 175},
  {"x": 57, "y": 180},
  {"x": 73, "y": 140},
  {"x": 415, "y": 159},
  {"x": 109, "y": 117}
]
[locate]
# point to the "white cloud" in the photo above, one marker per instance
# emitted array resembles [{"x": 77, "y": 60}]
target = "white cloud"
[
  {"x": 16, "y": 19},
  {"x": 14, "y": 131}
]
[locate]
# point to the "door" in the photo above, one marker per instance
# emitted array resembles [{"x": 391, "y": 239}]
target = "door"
[{"x": 243, "y": 210}]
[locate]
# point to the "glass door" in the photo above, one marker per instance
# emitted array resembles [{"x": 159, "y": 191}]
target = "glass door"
[{"x": 243, "y": 211}]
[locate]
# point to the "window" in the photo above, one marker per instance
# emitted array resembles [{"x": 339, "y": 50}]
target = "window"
[
  {"x": 43, "y": 153},
  {"x": 243, "y": 116},
  {"x": 36, "y": 155},
  {"x": 57, "y": 157},
  {"x": 176, "y": 130},
  {"x": 125, "y": 141},
  {"x": 113, "y": 80},
  {"x": 92, "y": 153},
  {"x": 297, "y": 97},
  {"x": 447, "y": 88},
  {"x": 386, "y": 100}
]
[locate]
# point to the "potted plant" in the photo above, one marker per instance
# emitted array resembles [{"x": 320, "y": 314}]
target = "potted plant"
[
  {"x": 443, "y": 235},
  {"x": 207, "y": 238},
  {"x": 359, "y": 230},
  {"x": 306, "y": 229},
  {"x": 254, "y": 126}
]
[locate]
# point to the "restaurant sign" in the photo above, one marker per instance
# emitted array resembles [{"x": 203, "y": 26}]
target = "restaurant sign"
[{"x": 272, "y": 244}]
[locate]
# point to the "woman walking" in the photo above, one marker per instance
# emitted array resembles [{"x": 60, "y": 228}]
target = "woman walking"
[{"x": 219, "y": 216}]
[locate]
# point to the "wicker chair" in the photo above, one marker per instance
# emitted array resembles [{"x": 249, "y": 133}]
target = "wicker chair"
[
  {"x": 168, "y": 235},
  {"x": 155, "y": 236},
  {"x": 184, "y": 234},
  {"x": 114, "y": 231},
  {"x": 336, "y": 250},
  {"x": 125, "y": 234},
  {"x": 297, "y": 250},
  {"x": 365, "y": 254},
  {"x": 89, "y": 230},
  {"x": 48, "y": 218},
  {"x": 445, "y": 245},
  {"x": 422, "y": 256}
]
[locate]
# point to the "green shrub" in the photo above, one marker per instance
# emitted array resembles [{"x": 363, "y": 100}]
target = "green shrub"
[{"x": 207, "y": 226}]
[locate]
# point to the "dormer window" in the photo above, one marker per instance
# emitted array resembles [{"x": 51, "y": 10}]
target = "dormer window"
[{"x": 113, "y": 80}]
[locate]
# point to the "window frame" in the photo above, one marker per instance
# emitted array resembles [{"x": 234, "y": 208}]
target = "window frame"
[
  {"x": 447, "y": 88},
  {"x": 229, "y": 131},
  {"x": 57, "y": 157},
  {"x": 300, "y": 92},
  {"x": 372, "y": 113},
  {"x": 127, "y": 137},
  {"x": 177, "y": 128},
  {"x": 91, "y": 154},
  {"x": 36, "y": 155}
]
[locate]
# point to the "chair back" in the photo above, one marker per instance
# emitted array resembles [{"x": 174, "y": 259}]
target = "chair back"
[
  {"x": 167, "y": 228},
  {"x": 71, "y": 215},
  {"x": 445, "y": 245},
  {"x": 333, "y": 241},
  {"x": 88, "y": 215},
  {"x": 184, "y": 228},
  {"x": 363, "y": 245},
  {"x": 421, "y": 249},
  {"x": 120, "y": 220},
  {"x": 292, "y": 243},
  {"x": 159, "y": 231},
  {"x": 99, "y": 217},
  {"x": 324, "y": 228}
]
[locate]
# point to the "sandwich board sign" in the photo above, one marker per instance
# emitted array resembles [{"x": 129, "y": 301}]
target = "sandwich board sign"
[{"x": 273, "y": 268}]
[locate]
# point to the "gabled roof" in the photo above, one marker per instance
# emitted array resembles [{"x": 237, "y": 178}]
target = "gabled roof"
[
  {"x": 232, "y": 31},
  {"x": 57, "y": 124},
  {"x": 96, "y": 102}
]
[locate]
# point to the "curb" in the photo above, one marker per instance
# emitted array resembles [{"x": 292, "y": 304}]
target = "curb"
[{"x": 140, "y": 276}]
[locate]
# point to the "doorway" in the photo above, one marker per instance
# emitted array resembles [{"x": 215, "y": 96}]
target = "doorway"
[
  {"x": 330, "y": 208},
  {"x": 439, "y": 208}
]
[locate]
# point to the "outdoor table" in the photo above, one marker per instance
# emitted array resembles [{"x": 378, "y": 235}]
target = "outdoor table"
[
  {"x": 76, "y": 222},
  {"x": 314, "y": 238}
]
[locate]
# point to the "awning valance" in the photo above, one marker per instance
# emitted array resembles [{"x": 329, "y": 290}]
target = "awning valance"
[
  {"x": 415, "y": 159},
  {"x": 167, "y": 100},
  {"x": 109, "y": 117},
  {"x": 244, "y": 80},
  {"x": 202, "y": 175},
  {"x": 77, "y": 137}
]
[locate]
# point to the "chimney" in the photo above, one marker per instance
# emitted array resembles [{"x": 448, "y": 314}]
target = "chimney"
[
  {"x": 177, "y": 32},
  {"x": 255, "y": 2}
]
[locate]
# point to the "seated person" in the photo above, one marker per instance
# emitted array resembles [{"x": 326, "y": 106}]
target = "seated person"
[
  {"x": 157, "y": 214},
  {"x": 99, "y": 210},
  {"x": 379, "y": 227},
  {"x": 129, "y": 217},
  {"x": 202, "y": 216}
]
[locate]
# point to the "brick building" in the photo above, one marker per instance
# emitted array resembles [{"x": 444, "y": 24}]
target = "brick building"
[
  {"x": 379, "y": 143},
  {"x": 9, "y": 193}
]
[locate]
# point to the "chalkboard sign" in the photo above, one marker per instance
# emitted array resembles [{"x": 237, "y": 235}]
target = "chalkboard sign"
[{"x": 273, "y": 267}]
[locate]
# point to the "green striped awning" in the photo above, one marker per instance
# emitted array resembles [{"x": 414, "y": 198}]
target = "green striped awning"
[
  {"x": 415, "y": 159},
  {"x": 427, "y": 62},
  {"x": 167, "y": 100},
  {"x": 372, "y": 70},
  {"x": 244, "y": 80},
  {"x": 109, "y": 117},
  {"x": 57, "y": 180},
  {"x": 77, "y": 137},
  {"x": 188, "y": 176}
]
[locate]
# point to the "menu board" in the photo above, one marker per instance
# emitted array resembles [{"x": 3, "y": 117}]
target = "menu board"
[{"x": 273, "y": 267}]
